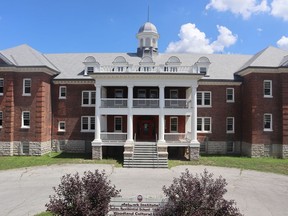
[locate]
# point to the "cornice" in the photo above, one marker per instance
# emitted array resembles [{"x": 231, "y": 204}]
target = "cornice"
[
  {"x": 29, "y": 69},
  {"x": 270, "y": 70},
  {"x": 219, "y": 83},
  {"x": 74, "y": 81}
]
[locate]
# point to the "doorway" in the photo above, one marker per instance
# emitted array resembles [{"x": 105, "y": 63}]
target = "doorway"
[{"x": 146, "y": 128}]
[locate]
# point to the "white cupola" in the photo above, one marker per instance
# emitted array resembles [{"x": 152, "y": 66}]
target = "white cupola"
[{"x": 147, "y": 40}]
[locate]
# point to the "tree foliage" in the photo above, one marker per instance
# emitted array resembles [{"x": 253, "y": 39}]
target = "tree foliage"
[
  {"x": 88, "y": 195},
  {"x": 191, "y": 195}
]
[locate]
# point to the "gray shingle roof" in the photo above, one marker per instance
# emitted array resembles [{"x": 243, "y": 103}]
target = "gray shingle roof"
[{"x": 70, "y": 65}]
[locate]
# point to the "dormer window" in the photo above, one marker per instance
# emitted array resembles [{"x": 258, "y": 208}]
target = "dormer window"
[
  {"x": 120, "y": 64},
  {"x": 172, "y": 64},
  {"x": 203, "y": 70},
  {"x": 90, "y": 69},
  {"x": 91, "y": 65},
  {"x": 202, "y": 65}
]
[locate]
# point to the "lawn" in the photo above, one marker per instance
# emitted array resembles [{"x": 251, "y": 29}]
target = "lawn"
[{"x": 274, "y": 165}]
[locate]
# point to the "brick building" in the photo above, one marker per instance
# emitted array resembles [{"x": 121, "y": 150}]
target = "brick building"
[{"x": 144, "y": 105}]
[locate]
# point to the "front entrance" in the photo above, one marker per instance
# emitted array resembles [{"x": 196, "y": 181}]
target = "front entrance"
[{"x": 146, "y": 128}]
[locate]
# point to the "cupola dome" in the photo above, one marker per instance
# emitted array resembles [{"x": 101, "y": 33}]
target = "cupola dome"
[{"x": 148, "y": 27}]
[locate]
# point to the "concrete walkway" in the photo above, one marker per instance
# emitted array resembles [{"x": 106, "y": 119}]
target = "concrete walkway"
[{"x": 25, "y": 191}]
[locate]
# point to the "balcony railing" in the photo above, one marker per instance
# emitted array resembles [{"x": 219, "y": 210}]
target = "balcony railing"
[
  {"x": 113, "y": 136},
  {"x": 114, "y": 103},
  {"x": 143, "y": 103},
  {"x": 146, "y": 69},
  {"x": 146, "y": 103},
  {"x": 176, "y": 138},
  {"x": 176, "y": 103}
]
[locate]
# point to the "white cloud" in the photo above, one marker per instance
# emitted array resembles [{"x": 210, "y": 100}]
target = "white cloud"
[
  {"x": 245, "y": 8},
  {"x": 259, "y": 29},
  {"x": 283, "y": 43},
  {"x": 280, "y": 9},
  {"x": 192, "y": 40}
]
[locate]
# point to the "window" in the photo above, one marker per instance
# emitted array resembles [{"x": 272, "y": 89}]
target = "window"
[
  {"x": 90, "y": 69},
  {"x": 87, "y": 123},
  {"x": 26, "y": 87},
  {"x": 267, "y": 122},
  {"x": 204, "y": 99},
  {"x": 88, "y": 98},
  {"x": 62, "y": 92},
  {"x": 118, "y": 123},
  {"x": 230, "y": 95},
  {"x": 25, "y": 119},
  {"x": 174, "y": 124},
  {"x": 204, "y": 124},
  {"x": 230, "y": 124},
  {"x": 203, "y": 70},
  {"x": 267, "y": 87},
  {"x": 119, "y": 94},
  {"x": 1, "y": 86},
  {"x": 61, "y": 126},
  {"x": 230, "y": 146},
  {"x": 1, "y": 119}
]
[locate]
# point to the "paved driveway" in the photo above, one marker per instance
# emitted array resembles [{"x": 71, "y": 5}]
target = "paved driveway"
[{"x": 25, "y": 191}]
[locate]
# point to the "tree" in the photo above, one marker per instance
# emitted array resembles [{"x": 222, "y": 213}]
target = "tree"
[
  {"x": 86, "y": 196},
  {"x": 197, "y": 195}
]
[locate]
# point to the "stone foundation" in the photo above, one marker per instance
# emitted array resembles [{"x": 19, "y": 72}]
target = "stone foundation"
[
  {"x": 194, "y": 153},
  {"x": 96, "y": 152},
  {"x": 264, "y": 150},
  {"x": 162, "y": 150},
  {"x": 69, "y": 146},
  {"x": 219, "y": 147},
  {"x": 30, "y": 148}
]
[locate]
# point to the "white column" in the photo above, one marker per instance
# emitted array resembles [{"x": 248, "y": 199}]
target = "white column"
[
  {"x": 97, "y": 114},
  {"x": 194, "y": 114},
  {"x": 161, "y": 115},
  {"x": 130, "y": 115}
]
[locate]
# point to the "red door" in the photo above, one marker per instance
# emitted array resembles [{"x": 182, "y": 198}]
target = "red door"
[{"x": 147, "y": 130}]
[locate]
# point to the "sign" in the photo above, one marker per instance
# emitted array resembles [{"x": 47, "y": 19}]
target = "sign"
[{"x": 134, "y": 206}]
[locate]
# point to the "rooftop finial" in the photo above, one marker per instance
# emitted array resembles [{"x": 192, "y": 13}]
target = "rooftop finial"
[{"x": 148, "y": 17}]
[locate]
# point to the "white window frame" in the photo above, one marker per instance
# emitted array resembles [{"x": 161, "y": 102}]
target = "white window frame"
[
  {"x": 90, "y": 69},
  {"x": 203, "y": 70},
  {"x": 203, "y": 125},
  {"x": 90, "y": 120},
  {"x": 120, "y": 101},
  {"x": 269, "y": 115},
  {"x": 62, "y": 89},
  {"x": 1, "y": 86},
  {"x": 270, "y": 88},
  {"x": 203, "y": 93},
  {"x": 1, "y": 119},
  {"x": 24, "y": 118},
  {"x": 115, "y": 121},
  {"x": 27, "y": 87},
  {"x": 177, "y": 123},
  {"x": 228, "y": 100},
  {"x": 141, "y": 102},
  {"x": 89, "y": 104},
  {"x": 174, "y": 101},
  {"x": 60, "y": 126},
  {"x": 228, "y": 119}
]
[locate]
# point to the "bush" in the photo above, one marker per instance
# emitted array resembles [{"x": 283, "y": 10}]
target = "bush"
[
  {"x": 197, "y": 196},
  {"x": 89, "y": 195}
]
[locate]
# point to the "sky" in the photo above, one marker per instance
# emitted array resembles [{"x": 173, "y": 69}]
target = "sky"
[{"x": 201, "y": 26}]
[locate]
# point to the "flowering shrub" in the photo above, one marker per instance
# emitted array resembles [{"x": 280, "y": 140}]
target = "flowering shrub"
[
  {"x": 82, "y": 196},
  {"x": 197, "y": 195}
]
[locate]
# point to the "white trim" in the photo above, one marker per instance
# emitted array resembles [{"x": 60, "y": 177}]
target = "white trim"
[
  {"x": 271, "y": 122},
  {"x": 2, "y": 81},
  {"x": 1, "y": 119},
  {"x": 217, "y": 83},
  {"x": 24, "y": 86},
  {"x": 59, "y": 126},
  {"x": 89, "y": 124},
  {"x": 115, "y": 118},
  {"x": 270, "y": 88},
  {"x": 177, "y": 123},
  {"x": 203, "y": 98},
  {"x": 60, "y": 92},
  {"x": 89, "y": 104},
  {"x": 203, "y": 125},
  {"x": 233, "y": 125},
  {"x": 233, "y": 95},
  {"x": 22, "y": 119}
]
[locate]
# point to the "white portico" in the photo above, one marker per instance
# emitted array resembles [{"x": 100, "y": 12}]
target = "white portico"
[{"x": 143, "y": 100}]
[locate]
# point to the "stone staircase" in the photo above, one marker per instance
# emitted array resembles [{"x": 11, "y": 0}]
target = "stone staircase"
[{"x": 145, "y": 156}]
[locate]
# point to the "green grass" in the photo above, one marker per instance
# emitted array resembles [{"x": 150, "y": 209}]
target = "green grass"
[
  {"x": 267, "y": 164},
  {"x": 273, "y": 165},
  {"x": 44, "y": 214},
  {"x": 50, "y": 159}
]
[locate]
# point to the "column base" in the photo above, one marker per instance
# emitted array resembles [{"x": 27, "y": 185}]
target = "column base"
[
  {"x": 194, "y": 150},
  {"x": 96, "y": 150}
]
